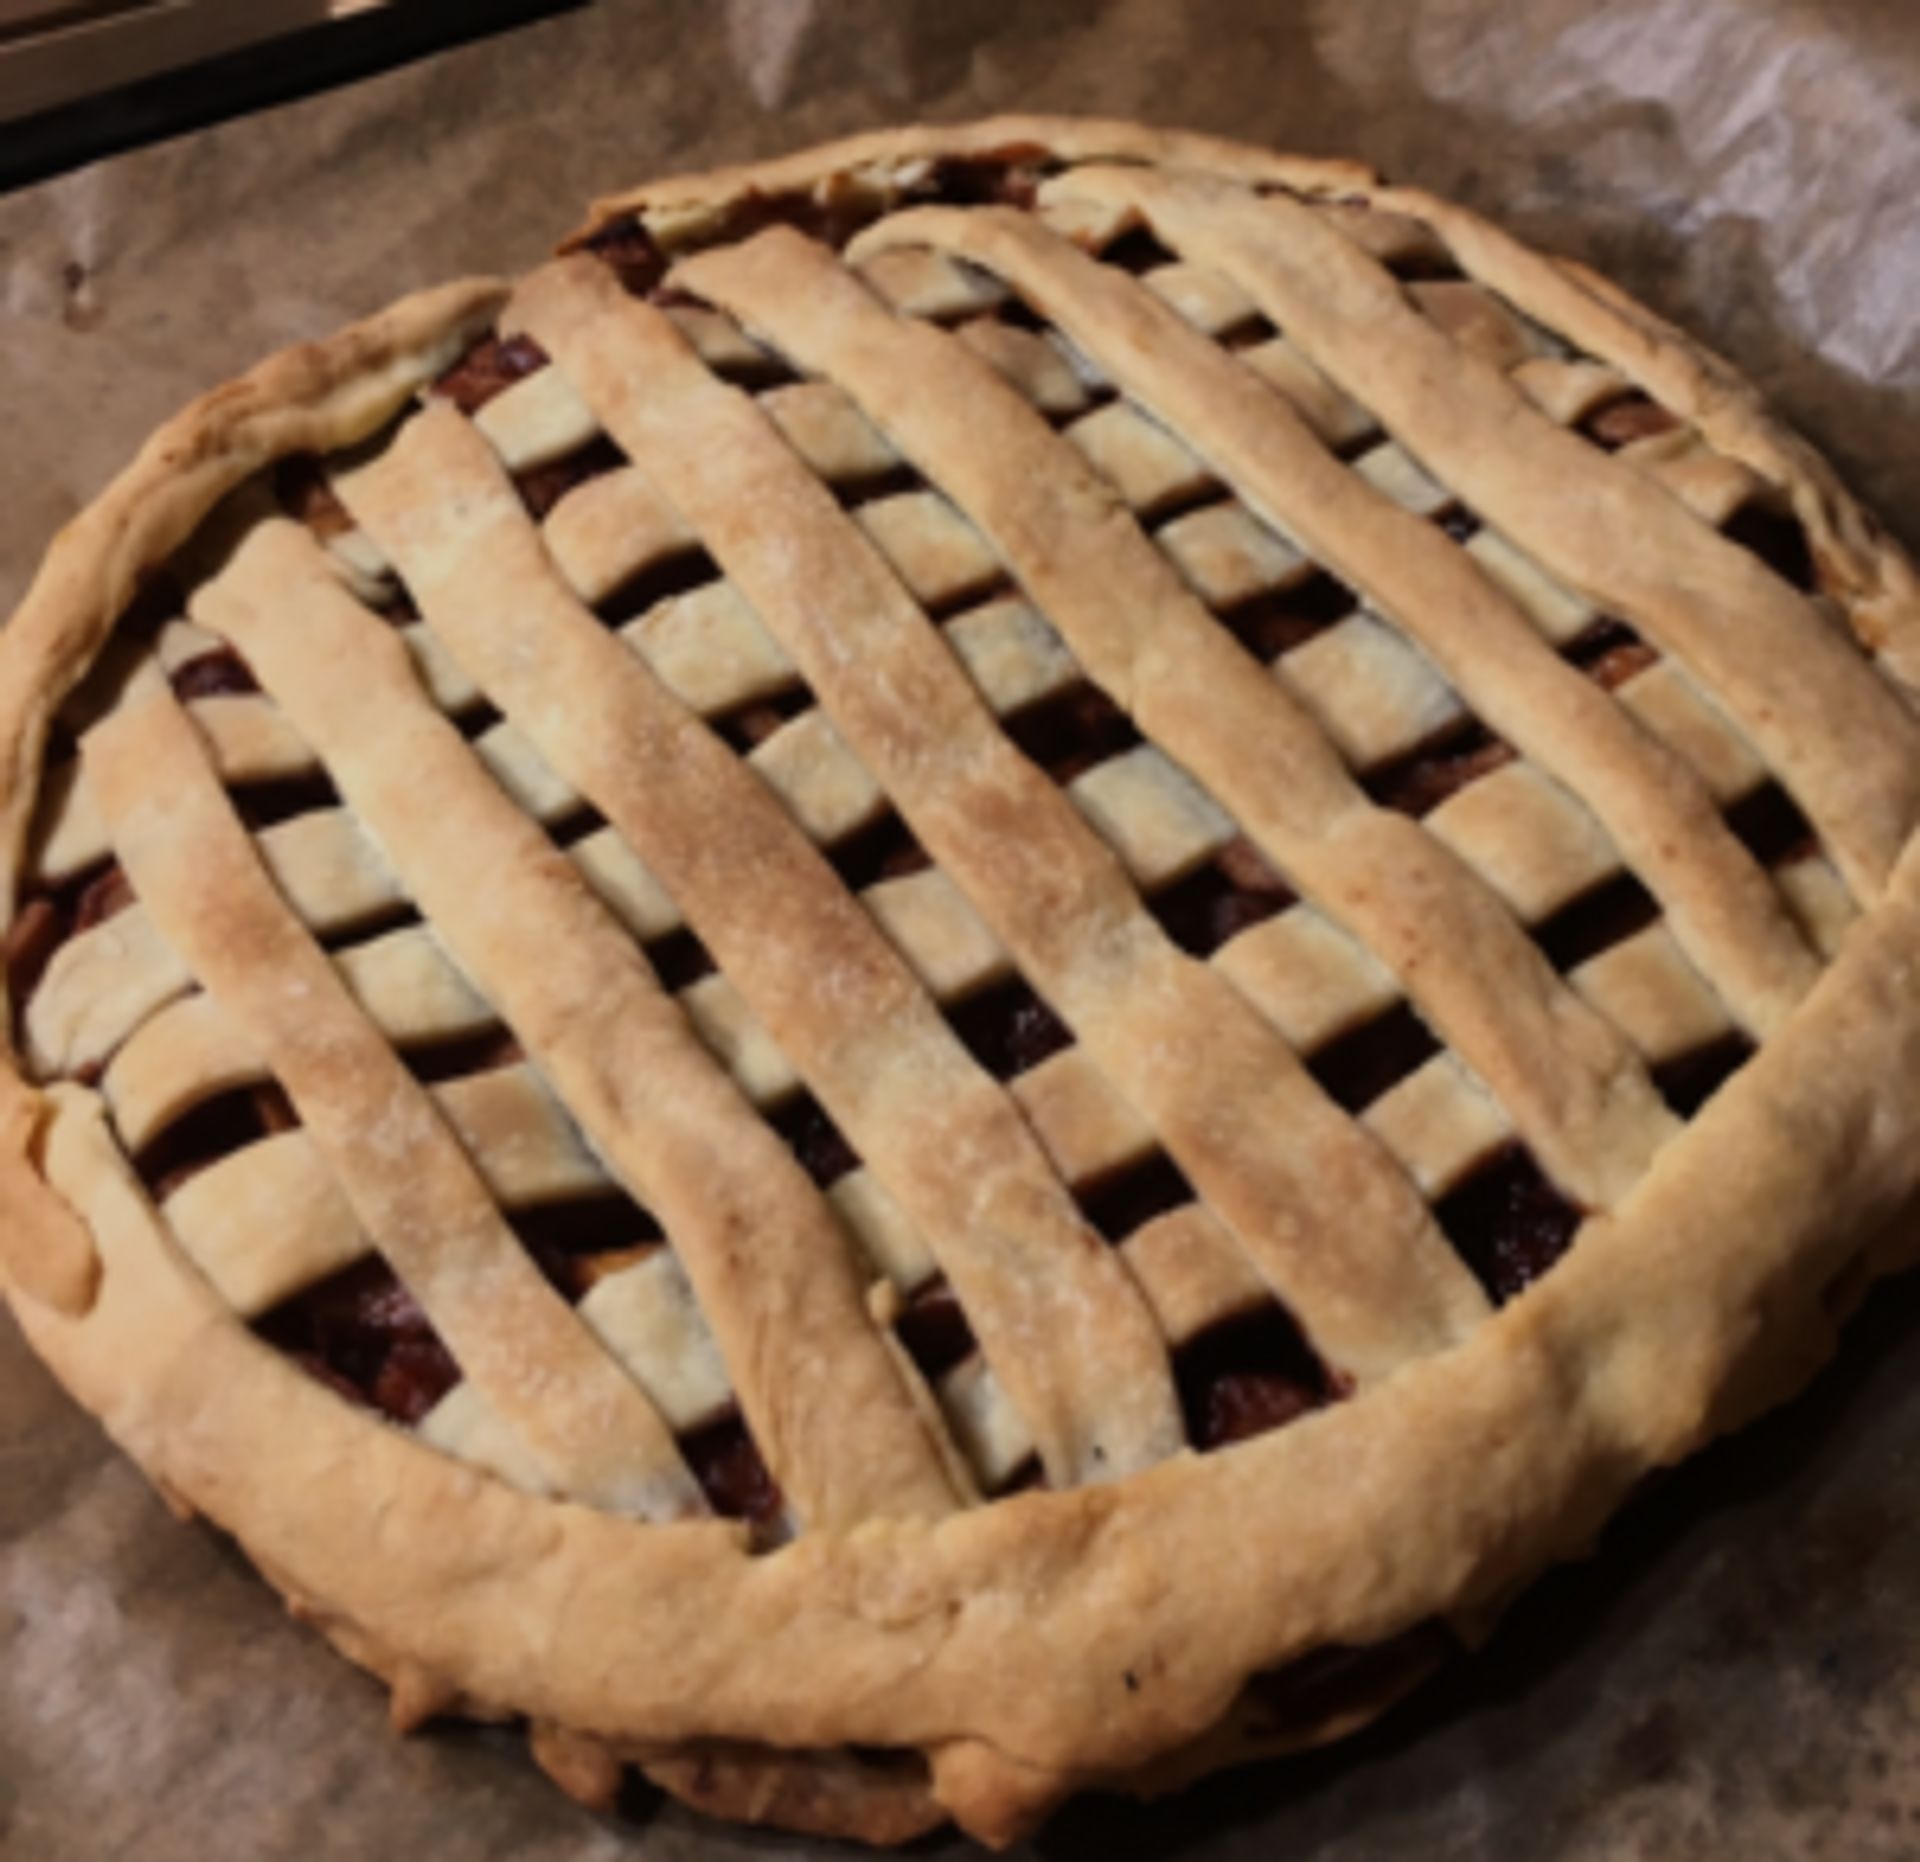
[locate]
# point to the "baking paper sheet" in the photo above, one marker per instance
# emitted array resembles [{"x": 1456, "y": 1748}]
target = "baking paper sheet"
[{"x": 1740, "y": 1674}]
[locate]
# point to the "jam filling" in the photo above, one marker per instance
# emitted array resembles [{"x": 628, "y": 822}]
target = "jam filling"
[
  {"x": 1688, "y": 1082},
  {"x": 1608, "y": 914},
  {"x": 363, "y": 1334},
  {"x": 300, "y": 484},
  {"x": 1138, "y": 251},
  {"x": 542, "y": 487},
  {"x": 1629, "y": 417},
  {"x": 884, "y": 849},
  {"x": 50, "y": 918},
  {"x": 1610, "y": 653},
  {"x": 626, "y": 247},
  {"x": 1356, "y": 1068},
  {"x": 221, "y": 673},
  {"x": 1507, "y": 1222},
  {"x": 488, "y": 369},
  {"x": 814, "y": 1139},
  {"x": 577, "y": 1244},
  {"x": 1248, "y": 1374},
  {"x": 1071, "y": 733},
  {"x": 1778, "y": 539},
  {"x": 729, "y": 1468},
  {"x": 1008, "y": 1029},
  {"x": 678, "y": 574},
  {"x": 212, "y": 1132},
  {"x": 679, "y": 959},
  {"x": 458, "y": 1059},
  {"x": 1234, "y": 891},
  {"x": 1124, "y": 1199},
  {"x": 1416, "y": 784},
  {"x": 265, "y": 804},
  {"x": 889, "y": 482},
  {"x": 753, "y": 723},
  {"x": 1771, "y": 827},
  {"x": 933, "y": 1330},
  {"x": 1274, "y": 623}
]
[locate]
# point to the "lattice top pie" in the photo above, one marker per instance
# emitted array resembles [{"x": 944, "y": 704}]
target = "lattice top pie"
[{"x": 966, "y": 972}]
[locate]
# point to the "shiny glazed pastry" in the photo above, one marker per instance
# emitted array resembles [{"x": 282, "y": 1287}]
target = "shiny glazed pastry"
[{"x": 964, "y": 974}]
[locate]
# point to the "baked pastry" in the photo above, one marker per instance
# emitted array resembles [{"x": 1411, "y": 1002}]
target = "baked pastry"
[{"x": 967, "y": 972}]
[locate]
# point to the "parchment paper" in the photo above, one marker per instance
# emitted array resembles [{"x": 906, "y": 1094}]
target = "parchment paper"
[{"x": 1740, "y": 1673}]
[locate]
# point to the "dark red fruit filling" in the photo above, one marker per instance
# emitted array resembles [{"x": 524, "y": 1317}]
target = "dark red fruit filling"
[
  {"x": 1284, "y": 618},
  {"x": 1234, "y": 891},
  {"x": 489, "y": 368},
  {"x": 1777, "y": 538},
  {"x": 263, "y": 804},
  {"x": 571, "y": 1241},
  {"x": 884, "y": 849},
  {"x": 1610, "y": 653},
  {"x": 214, "y": 1130},
  {"x": 364, "y": 1334},
  {"x": 679, "y": 959},
  {"x": 1129, "y": 1197},
  {"x": 1606, "y": 915},
  {"x": 219, "y": 674},
  {"x": 1771, "y": 827},
  {"x": 1008, "y": 1028},
  {"x": 678, "y": 574},
  {"x": 1690, "y": 1081},
  {"x": 631, "y": 253},
  {"x": 1138, "y": 251},
  {"x": 814, "y": 1139},
  {"x": 731, "y": 1473},
  {"x": 1246, "y": 1375},
  {"x": 1072, "y": 732},
  {"x": 1631, "y": 417},
  {"x": 1508, "y": 1222},
  {"x": 300, "y": 483},
  {"x": 1357, "y": 1067},
  {"x": 46, "y": 920},
  {"x": 1418, "y": 783},
  {"x": 464, "y": 1056},
  {"x": 542, "y": 487},
  {"x": 754, "y": 722},
  {"x": 934, "y": 1330}
]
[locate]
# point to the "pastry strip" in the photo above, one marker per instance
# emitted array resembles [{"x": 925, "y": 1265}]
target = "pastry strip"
[
  {"x": 592, "y": 1430},
  {"x": 1346, "y": 1244},
  {"x": 789, "y": 1311},
  {"x": 1056, "y": 1315},
  {"x": 1720, "y": 905},
  {"x": 1576, "y": 1092}
]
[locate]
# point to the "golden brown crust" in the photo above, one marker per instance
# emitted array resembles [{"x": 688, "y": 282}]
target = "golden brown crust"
[{"x": 1055, "y": 1638}]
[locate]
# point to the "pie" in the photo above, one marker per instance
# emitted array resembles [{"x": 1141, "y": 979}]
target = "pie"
[{"x": 965, "y": 973}]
